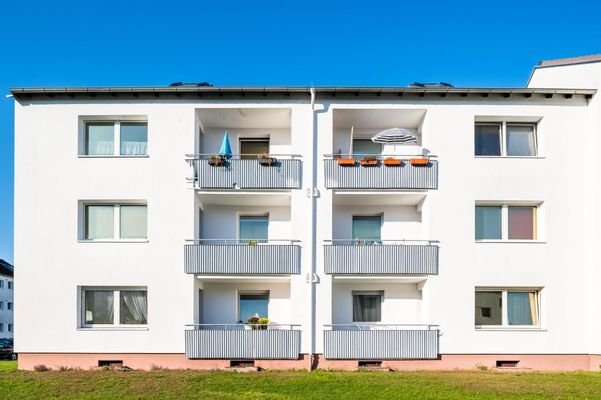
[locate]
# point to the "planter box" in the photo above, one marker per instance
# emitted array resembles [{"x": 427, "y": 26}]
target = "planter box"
[
  {"x": 216, "y": 162},
  {"x": 419, "y": 162},
  {"x": 369, "y": 163},
  {"x": 393, "y": 162},
  {"x": 346, "y": 162},
  {"x": 267, "y": 162}
]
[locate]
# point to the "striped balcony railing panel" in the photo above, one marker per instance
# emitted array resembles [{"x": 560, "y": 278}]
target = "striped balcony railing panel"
[
  {"x": 248, "y": 174},
  {"x": 381, "y": 344},
  {"x": 380, "y": 176},
  {"x": 242, "y": 259},
  {"x": 385, "y": 259},
  {"x": 243, "y": 344}
]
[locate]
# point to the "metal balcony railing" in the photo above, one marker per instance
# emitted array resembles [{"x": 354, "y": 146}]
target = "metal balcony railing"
[
  {"x": 236, "y": 257},
  {"x": 381, "y": 257},
  {"x": 246, "y": 172},
  {"x": 382, "y": 172},
  {"x": 242, "y": 341},
  {"x": 380, "y": 342}
]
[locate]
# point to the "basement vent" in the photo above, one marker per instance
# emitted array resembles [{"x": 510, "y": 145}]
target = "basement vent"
[
  {"x": 369, "y": 364},
  {"x": 507, "y": 364},
  {"x": 241, "y": 363},
  {"x": 110, "y": 363}
]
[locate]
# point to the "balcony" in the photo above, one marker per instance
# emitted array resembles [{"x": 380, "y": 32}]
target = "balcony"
[
  {"x": 382, "y": 257},
  {"x": 378, "y": 175},
  {"x": 381, "y": 342},
  {"x": 276, "y": 172},
  {"x": 234, "y": 257},
  {"x": 239, "y": 341}
]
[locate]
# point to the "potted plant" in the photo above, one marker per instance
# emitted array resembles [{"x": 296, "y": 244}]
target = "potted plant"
[
  {"x": 216, "y": 160},
  {"x": 266, "y": 161},
  {"x": 393, "y": 162},
  {"x": 419, "y": 162},
  {"x": 369, "y": 161},
  {"x": 258, "y": 323}
]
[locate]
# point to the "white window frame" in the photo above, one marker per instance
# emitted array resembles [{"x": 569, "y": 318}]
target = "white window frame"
[
  {"x": 116, "y": 220},
  {"x": 503, "y": 137},
  {"x": 505, "y": 221},
  {"x": 116, "y": 136},
  {"x": 241, "y": 214},
  {"x": 380, "y": 293},
  {"x": 505, "y": 316},
  {"x": 116, "y": 311},
  {"x": 251, "y": 292}
]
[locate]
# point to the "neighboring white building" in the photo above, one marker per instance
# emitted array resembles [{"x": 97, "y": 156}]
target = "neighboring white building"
[
  {"x": 7, "y": 306},
  {"x": 132, "y": 248}
]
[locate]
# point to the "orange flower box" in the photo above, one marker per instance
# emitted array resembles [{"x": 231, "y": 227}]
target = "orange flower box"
[
  {"x": 346, "y": 162},
  {"x": 419, "y": 162},
  {"x": 392, "y": 162},
  {"x": 369, "y": 163}
]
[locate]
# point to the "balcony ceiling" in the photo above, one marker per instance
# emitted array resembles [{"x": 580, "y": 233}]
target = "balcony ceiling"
[
  {"x": 381, "y": 279},
  {"x": 238, "y": 118},
  {"x": 378, "y": 118},
  {"x": 348, "y": 198}
]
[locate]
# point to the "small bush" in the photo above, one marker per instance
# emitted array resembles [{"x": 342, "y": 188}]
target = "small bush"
[
  {"x": 41, "y": 368},
  {"x": 155, "y": 367},
  {"x": 482, "y": 367}
]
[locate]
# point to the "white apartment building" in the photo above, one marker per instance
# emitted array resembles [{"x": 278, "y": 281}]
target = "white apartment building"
[
  {"x": 474, "y": 245},
  {"x": 6, "y": 300}
]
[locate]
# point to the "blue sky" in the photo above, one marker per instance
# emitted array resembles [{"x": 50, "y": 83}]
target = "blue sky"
[{"x": 95, "y": 43}]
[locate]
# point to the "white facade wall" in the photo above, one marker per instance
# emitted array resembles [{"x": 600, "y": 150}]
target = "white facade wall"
[{"x": 51, "y": 179}]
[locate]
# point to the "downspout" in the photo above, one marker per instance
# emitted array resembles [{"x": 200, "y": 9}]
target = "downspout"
[{"x": 312, "y": 190}]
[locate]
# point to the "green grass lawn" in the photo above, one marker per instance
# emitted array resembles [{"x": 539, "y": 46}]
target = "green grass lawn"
[{"x": 475, "y": 384}]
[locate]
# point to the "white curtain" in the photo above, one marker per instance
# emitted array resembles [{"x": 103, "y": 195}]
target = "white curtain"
[
  {"x": 100, "y": 139},
  {"x": 99, "y": 306},
  {"x": 367, "y": 307},
  {"x": 520, "y": 140},
  {"x": 134, "y": 307},
  {"x": 134, "y": 138},
  {"x": 133, "y": 222},
  {"x": 100, "y": 222}
]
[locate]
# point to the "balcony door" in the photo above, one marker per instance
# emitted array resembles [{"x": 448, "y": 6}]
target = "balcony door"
[
  {"x": 251, "y": 148},
  {"x": 253, "y": 229},
  {"x": 367, "y": 228},
  {"x": 365, "y": 147},
  {"x": 253, "y": 304}
]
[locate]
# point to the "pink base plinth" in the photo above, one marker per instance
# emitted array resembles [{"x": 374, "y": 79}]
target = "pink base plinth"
[{"x": 535, "y": 362}]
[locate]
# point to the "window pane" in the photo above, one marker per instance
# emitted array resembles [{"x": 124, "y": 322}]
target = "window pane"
[
  {"x": 367, "y": 307},
  {"x": 363, "y": 147},
  {"x": 367, "y": 227},
  {"x": 522, "y": 308},
  {"x": 522, "y": 223},
  {"x": 133, "y": 222},
  {"x": 520, "y": 140},
  {"x": 488, "y": 140},
  {"x": 249, "y": 149},
  {"x": 254, "y": 228},
  {"x": 134, "y": 307},
  {"x": 253, "y": 305},
  {"x": 100, "y": 222},
  {"x": 98, "y": 307},
  {"x": 488, "y": 222},
  {"x": 134, "y": 138},
  {"x": 99, "y": 138},
  {"x": 489, "y": 308}
]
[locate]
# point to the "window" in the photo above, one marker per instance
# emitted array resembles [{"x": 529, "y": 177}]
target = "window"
[
  {"x": 115, "y": 221},
  {"x": 114, "y": 307},
  {"x": 109, "y": 138},
  {"x": 1, "y": 283},
  {"x": 367, "y": 227},
  {"x": 505, "y": 139},
  {"x": 9, "y": 305},
  {"x": 506, "y": 222},
  {"x": 1, "y": 305},
  {"x": 254, "y": 228},
  {"x": 367, "y": 306},
  {"x": 253, "y": 304},
  {"x": 1, "y": 327},
  {"x": 251, "y": 148},
  {"x": 10, "y": 327},
  {"x": 365, "y": 147},
  {"x": 507, "y": 307},
  {"x": 10, "y": 285}
]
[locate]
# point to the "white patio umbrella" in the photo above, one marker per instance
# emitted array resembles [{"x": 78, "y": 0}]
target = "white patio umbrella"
[{"x": 395, "y": 136}]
